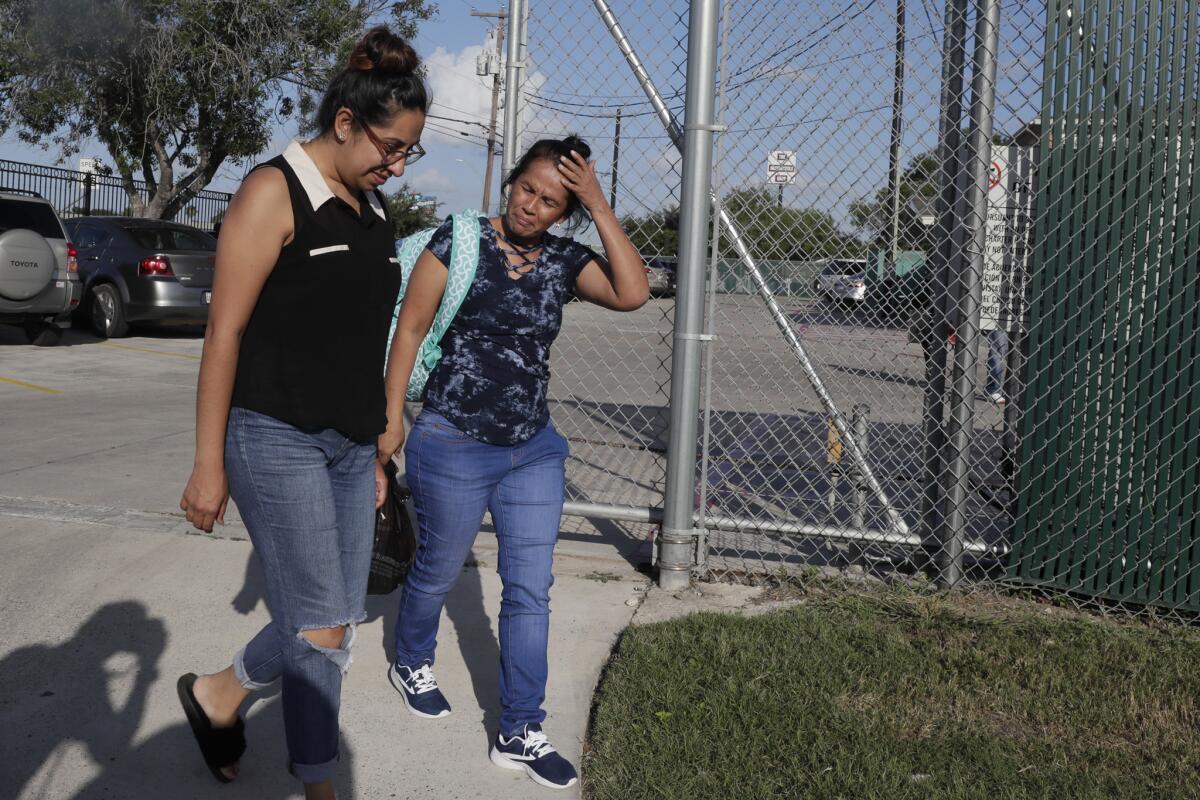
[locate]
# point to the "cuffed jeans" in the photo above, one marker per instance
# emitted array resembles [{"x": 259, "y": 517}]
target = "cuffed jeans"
[
  {"x": 454, "y": 479},
  {"x": 308, "y": 501}
]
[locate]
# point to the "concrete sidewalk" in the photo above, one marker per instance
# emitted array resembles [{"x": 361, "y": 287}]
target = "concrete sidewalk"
[
  {"x": 101, "y": 621},
  {"x": 107, "y": 598}
]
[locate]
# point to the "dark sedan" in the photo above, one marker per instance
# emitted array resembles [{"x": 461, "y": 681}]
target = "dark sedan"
[{"x": 142, "y": 270}]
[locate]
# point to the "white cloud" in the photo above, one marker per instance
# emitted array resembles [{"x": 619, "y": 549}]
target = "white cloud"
[
  {"x": 429, "y": 181},
  {"x": 458, "y": 93}
]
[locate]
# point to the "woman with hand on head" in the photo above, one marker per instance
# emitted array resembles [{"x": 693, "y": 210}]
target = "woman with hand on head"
[
  {"x": 484, "y": 440},
  {"x": 291, "y": 401}
]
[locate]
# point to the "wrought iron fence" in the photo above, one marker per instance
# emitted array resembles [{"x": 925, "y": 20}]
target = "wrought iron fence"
[
  {"x": 84, "y": 194},
  {"x": 937, "y": 285}
]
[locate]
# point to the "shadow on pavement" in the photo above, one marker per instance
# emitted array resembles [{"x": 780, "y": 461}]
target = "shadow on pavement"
[{"x": 91, "y": 692}]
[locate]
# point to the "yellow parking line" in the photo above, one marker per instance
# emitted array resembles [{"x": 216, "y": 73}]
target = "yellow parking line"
[
  {"x": 155, "y": 352},
  {"x": 33, "y": 386}
]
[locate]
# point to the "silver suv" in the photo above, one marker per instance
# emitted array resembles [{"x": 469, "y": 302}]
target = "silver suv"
[{"x": 39, "y": 287}]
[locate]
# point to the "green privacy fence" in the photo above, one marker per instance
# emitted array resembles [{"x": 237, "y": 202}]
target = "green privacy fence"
[
  {"x": 795, "y": 278},
  {"x": 1108, "y": 502},
  {"x": 785, "y": 278}
]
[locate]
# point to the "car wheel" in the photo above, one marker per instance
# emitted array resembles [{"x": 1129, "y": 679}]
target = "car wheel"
[
  {"x": 42, "y": 334},
  {"x": 108, "y": 312}
]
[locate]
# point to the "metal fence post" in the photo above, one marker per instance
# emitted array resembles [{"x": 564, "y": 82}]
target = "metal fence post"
[
  {"x": 933, "y": 343},
  {"x": 513, "y": 74},
  {"x": 677, "y": 538},
  {"x": 861, "y": 422},
  {"x": 968, "y": 295},
  {"x": 87, "y": 195}
]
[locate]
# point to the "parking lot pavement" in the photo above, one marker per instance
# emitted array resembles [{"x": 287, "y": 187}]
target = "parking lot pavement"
[{"x": 109, "y": 598}]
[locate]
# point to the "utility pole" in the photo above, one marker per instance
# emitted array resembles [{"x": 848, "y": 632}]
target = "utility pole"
[
  {"x": 612, "y": 194},
  {"x": 894, "y": 150},
  {"x": 514, "y": 81},
  {"x": 502, "y": 19}
]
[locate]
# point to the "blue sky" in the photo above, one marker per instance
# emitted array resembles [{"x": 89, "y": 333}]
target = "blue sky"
[
  {"x": 813, "y": 77},
  {"x": 453, "y": 170}
]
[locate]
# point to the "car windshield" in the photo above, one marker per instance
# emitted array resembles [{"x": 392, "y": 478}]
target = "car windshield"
[
  {"x": 166, "y": 238},
  {"x": 37, "y": 217}
]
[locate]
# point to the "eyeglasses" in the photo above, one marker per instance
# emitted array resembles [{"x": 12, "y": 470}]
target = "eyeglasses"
[{"x": 409, "y": 154}]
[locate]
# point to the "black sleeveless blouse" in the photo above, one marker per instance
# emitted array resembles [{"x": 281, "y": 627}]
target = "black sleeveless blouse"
[{"x": 312, "y": 354}]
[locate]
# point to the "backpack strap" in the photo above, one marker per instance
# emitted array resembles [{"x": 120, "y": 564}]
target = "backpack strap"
[{"x": 464, "y": 261}]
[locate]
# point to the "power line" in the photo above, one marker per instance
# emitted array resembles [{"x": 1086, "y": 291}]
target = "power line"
[
  {"x": 455, "y": 109},
  {"x": 859, "y": 54},
  {"x": 755, "y": 129},
  {"x": 530, "y": 99},
  {"x": 456, "y": 119},
  {"x": 756, "y": 66},
  {"x": 861, "y": 10},
  {"x": 473, "y": 139}
]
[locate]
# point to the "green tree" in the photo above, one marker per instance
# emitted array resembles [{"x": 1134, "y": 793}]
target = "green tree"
[
  {"x": 173, "y": 88},
  {"x": 408, "y": 214},
  {"x": 918, "y": 194},
  {"x": 786, "y": 234},
  {"x": 771, "y": 232},
  {"x": 656, "y": 234}
]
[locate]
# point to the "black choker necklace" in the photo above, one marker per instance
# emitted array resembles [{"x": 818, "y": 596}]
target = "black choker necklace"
[
  {"x": 519, "y": 248},
  {"x": 522, "y": 252}
]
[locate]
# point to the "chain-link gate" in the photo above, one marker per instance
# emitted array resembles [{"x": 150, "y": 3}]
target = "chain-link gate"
[
  {"x": 883, "y": 278},
  {"x": 610, "y": 390}
]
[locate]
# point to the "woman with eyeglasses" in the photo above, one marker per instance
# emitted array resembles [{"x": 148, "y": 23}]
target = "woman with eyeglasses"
[
  {"x": 484, "y": 440},
  {"x": 291, "y": 401}
]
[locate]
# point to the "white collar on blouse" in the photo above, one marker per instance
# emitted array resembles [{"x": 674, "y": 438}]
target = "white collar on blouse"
[{"x": 313, "y": 181}]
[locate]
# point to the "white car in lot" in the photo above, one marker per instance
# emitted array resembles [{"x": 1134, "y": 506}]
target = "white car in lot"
[
  {"x": 842, "y": 280},
  {"x": 39, "y": 287}
]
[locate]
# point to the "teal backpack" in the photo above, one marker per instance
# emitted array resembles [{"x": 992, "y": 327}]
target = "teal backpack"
[{"x": 464, "y": 259}]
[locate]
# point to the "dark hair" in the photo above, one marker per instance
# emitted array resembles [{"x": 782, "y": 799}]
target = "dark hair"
[
  {"x": 380, "y": 79},
  {"x": 575, "y": 216}
]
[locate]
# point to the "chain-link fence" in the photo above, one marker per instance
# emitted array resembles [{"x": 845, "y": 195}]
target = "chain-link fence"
[{"x": 949, "y": 286}]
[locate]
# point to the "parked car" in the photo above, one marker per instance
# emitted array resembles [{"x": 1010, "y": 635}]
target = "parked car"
[
  {"x": 142, "y": 270},
  {"x": 38, "y": 284},
  {"x": 660, "y": 272},
  {"x": 842, "y": 279}
]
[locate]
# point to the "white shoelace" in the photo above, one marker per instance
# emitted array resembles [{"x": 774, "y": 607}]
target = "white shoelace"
[
  {"x": 537, "y": 744},
  {"x": 423, "y": 680}
]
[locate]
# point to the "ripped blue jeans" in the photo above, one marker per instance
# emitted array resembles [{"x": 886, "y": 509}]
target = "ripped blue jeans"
[{"x": 308, "y": 501}]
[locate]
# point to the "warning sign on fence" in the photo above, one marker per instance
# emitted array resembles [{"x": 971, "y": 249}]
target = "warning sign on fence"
[{"x": 1008, "y": 236}]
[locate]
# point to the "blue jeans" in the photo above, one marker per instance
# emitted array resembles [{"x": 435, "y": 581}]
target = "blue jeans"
[
  {"x": 997, "y": 360},
  {"x": 454, "y": 479},
  {"x": 308, "y": 501}
]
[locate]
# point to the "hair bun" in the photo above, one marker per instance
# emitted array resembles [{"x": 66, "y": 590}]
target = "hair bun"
[
  {"x": 574, "y": 142},
  {"x": 384, "y": 52}
]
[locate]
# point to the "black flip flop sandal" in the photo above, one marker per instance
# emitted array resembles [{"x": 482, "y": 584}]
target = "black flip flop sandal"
[{"x": 220, "y": 747}]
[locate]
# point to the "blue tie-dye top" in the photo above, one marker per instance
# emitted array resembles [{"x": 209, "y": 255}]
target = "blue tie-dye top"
[{"x": 495, "y": 369}]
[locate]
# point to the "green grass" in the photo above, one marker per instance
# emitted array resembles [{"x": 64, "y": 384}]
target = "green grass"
[{"x": 898, "y": 696}]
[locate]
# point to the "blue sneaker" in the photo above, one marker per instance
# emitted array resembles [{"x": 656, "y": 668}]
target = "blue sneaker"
[
  {"x": 531, "y": 751},
  {"x": 420, "y": 691}
]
